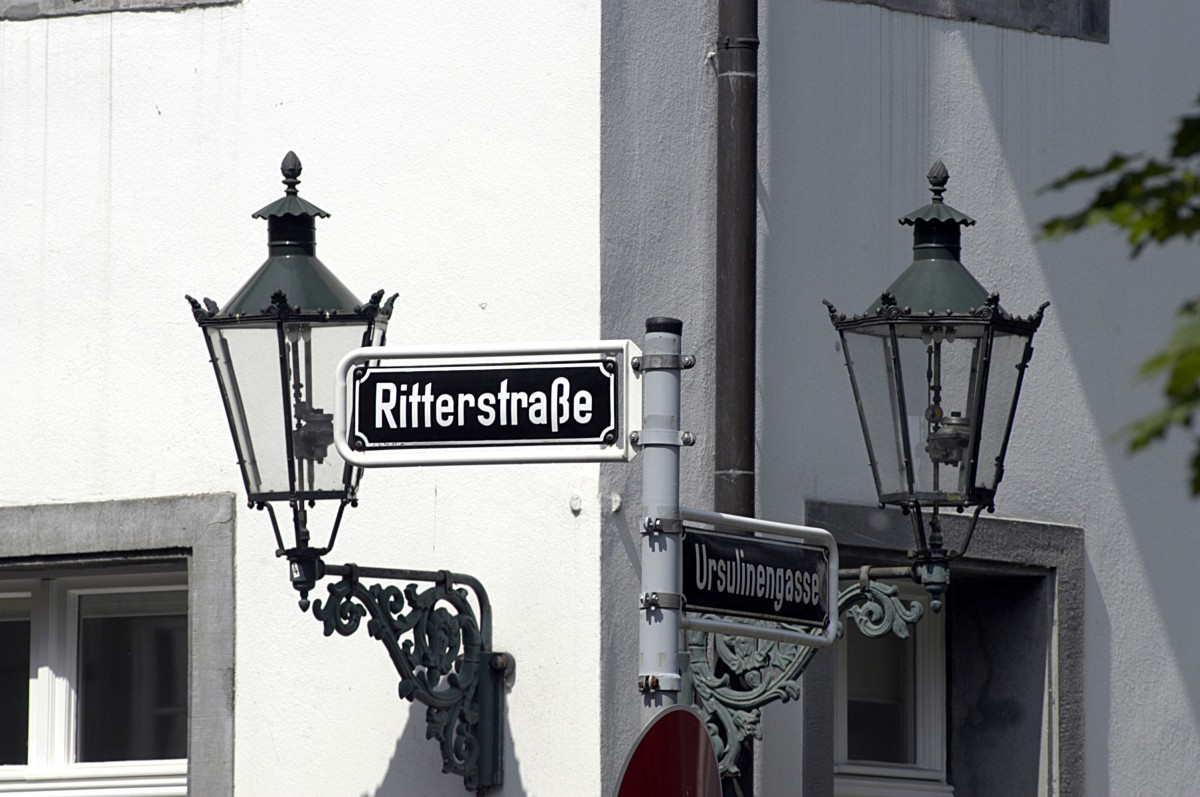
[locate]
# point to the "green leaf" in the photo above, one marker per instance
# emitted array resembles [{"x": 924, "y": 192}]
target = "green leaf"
[
  {"x": 1115, "y": 162},
  {"x": 1151, "y": 201},
  {"x": 1187, "y": 138}
]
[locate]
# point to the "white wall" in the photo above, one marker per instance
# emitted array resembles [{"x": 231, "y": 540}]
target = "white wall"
[
  {"x": 457, "y": 146},
  {"x": 858, "y": 103}
]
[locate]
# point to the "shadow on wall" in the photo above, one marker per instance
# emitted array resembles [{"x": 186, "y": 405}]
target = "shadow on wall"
[
  {"x": 416, "y": 767},
  {"x": 1005, "y": 133},
  {"x": 1097, "y": 674}
]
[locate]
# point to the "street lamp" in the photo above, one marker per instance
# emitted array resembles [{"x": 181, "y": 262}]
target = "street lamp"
[
  {"x": 936, "y": 366},
  {"x": 275, "y": 347}
]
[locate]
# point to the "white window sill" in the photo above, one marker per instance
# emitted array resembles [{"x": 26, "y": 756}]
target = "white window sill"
[
  {"x": 120, "y": 779},
  {"x": 862, "y": 786}
]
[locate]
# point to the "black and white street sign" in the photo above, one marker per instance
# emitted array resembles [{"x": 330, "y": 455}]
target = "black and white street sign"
[
  {"x": 551, "y": 403},
  {"x": 746, "y": 576},
  {"x": 784, "y": 573},
  {"x": 457, "y": 405}
]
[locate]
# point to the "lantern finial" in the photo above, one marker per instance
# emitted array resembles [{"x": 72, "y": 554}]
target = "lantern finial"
[
  {"x": 290, "y": 204},
  {"x": 938, "y": 177},
  {"x": 291, "y": 168}
]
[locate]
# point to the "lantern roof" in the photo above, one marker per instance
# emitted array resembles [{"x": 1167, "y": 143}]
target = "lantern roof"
[
  {"x": 292, "y": 266},
  {"x": 937, "y": 280},
  {"x": 290, "y": 204}
]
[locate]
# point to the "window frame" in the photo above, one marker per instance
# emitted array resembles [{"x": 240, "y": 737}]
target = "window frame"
[
  {"x": 196, "y": 529},
  {"x": 18, "y": 10},
  {"x": 53, "y": 721},
  {"x": 1004, "y": 549}
]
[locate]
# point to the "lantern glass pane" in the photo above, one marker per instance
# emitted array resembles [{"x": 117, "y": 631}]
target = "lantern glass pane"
[
  {"x": 313, "y": 352},
  {"x": 247, "y": 363},
  {"x": 1008, "y": 351},
  {"x": 941, "y": 370},
  {"x": 870, "y": 360}
]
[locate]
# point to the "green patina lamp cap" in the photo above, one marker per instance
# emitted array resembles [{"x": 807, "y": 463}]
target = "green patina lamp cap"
[
  {"x": 290, "y": 204},
  {"x": 937, "y": 210},
  {"x": 292, "y": 266},
  {"x": 937, "y": 279}
]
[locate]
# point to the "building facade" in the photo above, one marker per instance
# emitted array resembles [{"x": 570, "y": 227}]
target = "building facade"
[{"x": 545, "y": 171}]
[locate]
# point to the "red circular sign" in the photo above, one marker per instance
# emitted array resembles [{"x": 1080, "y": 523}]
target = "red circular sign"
[{"x": 673, "y": 757}]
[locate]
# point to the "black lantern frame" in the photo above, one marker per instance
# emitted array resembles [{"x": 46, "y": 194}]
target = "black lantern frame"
[
  {"x": 937, "y": 366},
  {"x": 294, "y": 319},
  {"x": 971, "y": 441}
]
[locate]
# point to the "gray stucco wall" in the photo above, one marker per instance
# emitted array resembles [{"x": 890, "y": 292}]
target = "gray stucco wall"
[{"x": 657, "y": 205}]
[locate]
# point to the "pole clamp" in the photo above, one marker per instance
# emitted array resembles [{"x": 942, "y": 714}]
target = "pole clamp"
[
  {"x": 663, "y": 362},
  {"x": 738, "y": 42},
  {"x": 661, "y": 682},
  {"x": 658, "y": 525},
  {"x": 647, "y": 683},
  {"x": 661, "y": 600},
  {"x": 662, "y": 437}
]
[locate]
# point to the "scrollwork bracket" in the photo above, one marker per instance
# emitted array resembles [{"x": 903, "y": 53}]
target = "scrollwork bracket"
[
  {"x": 732, "y": 678},
  {"x": 443, "y": 654}
]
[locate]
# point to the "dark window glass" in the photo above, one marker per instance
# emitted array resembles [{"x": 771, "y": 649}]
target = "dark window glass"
[
  {"x": 132, "y": 676},
  {"x": 14, "y": 680},
  {"x": 880, "y": 698}
]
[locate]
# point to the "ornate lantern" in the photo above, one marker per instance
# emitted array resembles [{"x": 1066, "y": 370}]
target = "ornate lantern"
[
  {"x": 936, "y": 366},
  {"x": 296, "y": 320}
]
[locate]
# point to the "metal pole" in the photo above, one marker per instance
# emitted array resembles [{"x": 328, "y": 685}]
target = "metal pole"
[
  {"x": 658, "y": 635},
  {"x": 737, "y": 169},
  {"x": 737, "y": 273}
]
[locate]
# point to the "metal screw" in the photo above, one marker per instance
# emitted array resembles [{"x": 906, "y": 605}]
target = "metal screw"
[
  {"x": 635, "y": 437},
  {"x": 647, "y": 683},
  {"x": 359, "y": 373},
  {"x": 609, "y": 365},
  {"x": 689, "y": 360},
  {"x": 608, "y": 438},
  {"x": 689, "y": 439},
  {"x": 636, "y": 362}
]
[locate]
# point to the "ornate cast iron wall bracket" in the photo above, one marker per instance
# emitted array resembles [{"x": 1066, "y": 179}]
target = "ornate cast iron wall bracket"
[
  {"x": 732, "y": 678},
  {"x": 443, "y": 654}
]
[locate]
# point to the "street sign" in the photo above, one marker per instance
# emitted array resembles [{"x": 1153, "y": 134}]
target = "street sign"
[
  {"x": 673, "y": 757},
  {"x": 785, "y": 574},
  {"x": 745, "y": 576},
  {"x": 556, "y": 402}
]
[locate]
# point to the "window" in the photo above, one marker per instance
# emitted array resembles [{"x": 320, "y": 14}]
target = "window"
[
  {"x": 36, "y": 9},
  {"x": 1076, "y": 19},
  {"x": 99, "y": 666},
  {"x": 890, "y": 711},
  {"x": 116, "y": 648},
  {"x": 1011, "y": 636}
]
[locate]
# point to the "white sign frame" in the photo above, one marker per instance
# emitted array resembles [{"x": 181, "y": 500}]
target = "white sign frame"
[
  {"x": 629, "y": 400},
  {"x": 779, "y": 532}
]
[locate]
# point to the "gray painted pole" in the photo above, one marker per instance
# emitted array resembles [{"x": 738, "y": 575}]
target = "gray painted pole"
[{"x": 658, "y": 637}]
